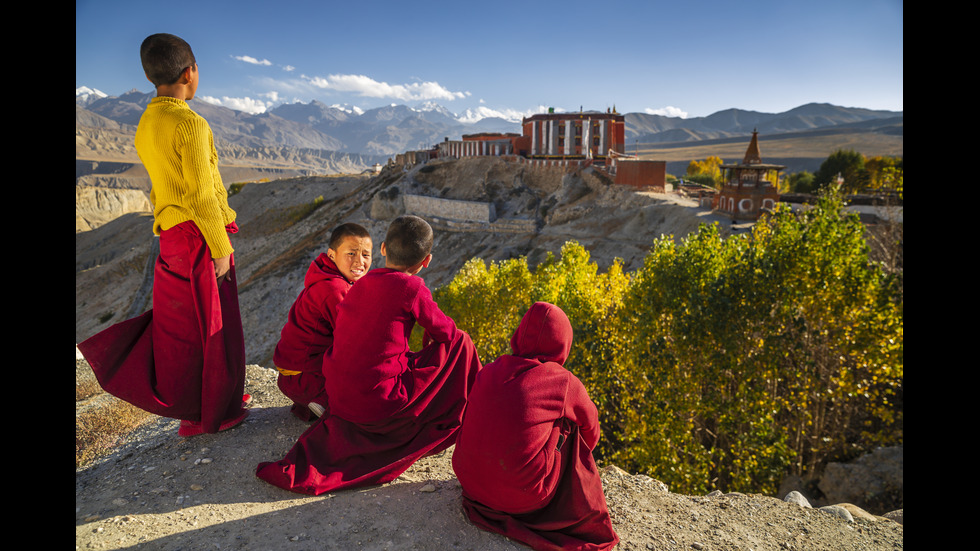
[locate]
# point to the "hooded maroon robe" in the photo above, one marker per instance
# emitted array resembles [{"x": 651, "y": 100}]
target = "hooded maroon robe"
[
  {"x": 185, "y": 357},
  {"x": 524, "y": 453},
  {"x": 389, "y": 406},
  {"x": 308, "y": 334}
]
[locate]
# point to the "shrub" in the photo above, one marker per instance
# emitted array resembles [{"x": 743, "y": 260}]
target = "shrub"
[{"x": 299, "y": 212}]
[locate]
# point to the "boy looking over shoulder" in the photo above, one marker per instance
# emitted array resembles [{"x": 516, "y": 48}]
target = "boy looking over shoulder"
[
  {"x": 389, "y": 406},
  {"x": 185, "y": 358},
  {"x": 308, "y": 332}
]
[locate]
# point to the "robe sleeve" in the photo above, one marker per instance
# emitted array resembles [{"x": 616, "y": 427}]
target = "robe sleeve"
[
  {"x": 438, "y": 326},
  {"x": 328, "y": 306},
  {"x": 581, "y": 411}
]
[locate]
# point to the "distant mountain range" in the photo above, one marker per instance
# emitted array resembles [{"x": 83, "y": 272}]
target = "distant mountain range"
[
  {"x": 647, "y": 128},
  {"x": 382, "y": 131},
  {"x": 393, "y": 129}
]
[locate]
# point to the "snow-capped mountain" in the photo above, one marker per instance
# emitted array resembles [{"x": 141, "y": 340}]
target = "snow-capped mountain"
[{"x": 85, "y": 95}]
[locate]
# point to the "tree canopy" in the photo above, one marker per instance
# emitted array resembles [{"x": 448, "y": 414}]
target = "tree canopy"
[
  {"x": 707, "y": 171},
  {"x": 847, "y": 164}
]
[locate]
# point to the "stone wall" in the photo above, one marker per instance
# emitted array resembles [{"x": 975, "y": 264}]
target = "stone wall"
[
  {"x": 449, "y": 215},
  {"x": 470, "y": 211}
]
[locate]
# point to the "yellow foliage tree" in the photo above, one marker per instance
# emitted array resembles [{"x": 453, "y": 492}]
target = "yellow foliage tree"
[{"x": 710, "y": 167}]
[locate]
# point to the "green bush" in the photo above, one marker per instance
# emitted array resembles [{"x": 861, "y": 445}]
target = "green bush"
[
  {"x": 235, "y": 188},
  {"x": 299, "y": 212},
  {"x": 721, "y": 363}
]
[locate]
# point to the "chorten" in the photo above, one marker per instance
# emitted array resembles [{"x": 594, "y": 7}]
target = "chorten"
[{"x": 750, "y": 186}]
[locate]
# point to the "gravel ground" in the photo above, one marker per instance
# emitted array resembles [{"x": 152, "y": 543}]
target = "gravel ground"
[{"x": 161, "y": 491}]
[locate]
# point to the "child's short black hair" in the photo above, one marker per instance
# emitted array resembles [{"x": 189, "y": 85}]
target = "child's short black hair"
[
  {"x": 408, "y": 242},
  {"x": 344, "y": 231},
  {"x": 164, "y": 57}
]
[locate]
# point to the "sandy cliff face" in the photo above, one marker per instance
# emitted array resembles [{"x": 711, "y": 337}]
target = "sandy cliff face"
[{"x": 95, "y": 206}]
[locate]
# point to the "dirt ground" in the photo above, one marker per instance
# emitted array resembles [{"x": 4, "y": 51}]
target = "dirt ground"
[{"x": 161, "y": 491}]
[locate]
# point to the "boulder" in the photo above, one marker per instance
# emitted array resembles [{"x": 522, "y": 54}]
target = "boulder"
[{"x": 873, "y": 482}]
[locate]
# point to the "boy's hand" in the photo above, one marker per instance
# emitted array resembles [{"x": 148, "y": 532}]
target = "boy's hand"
[{"x": 221, "y": 268}]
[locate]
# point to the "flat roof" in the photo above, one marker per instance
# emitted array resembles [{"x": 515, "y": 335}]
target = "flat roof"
[{"x": 575, "y": 115}]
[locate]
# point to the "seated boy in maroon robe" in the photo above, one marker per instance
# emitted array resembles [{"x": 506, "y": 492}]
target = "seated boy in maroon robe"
[
  {"x": 524, "y": 453},
  {"x": 389, "y": 406},
  {"x": 308, "y": 331}
]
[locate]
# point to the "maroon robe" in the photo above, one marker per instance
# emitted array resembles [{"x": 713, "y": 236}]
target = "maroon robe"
[
  {"x": 524, "y": 453},
  {"x": 389, "y": 406},
  {"x": 308, "y": 334},
  {"x": 184, "y": 358}
]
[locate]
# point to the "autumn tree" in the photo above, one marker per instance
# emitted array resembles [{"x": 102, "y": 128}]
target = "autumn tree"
[
  {"x": 707, "y": 171},
  {"x": 886, "y": 173},
  {"x": 801, "y": 182},
  {"x": 846, "y": 164},
  {"x": 758, "y": 354}
]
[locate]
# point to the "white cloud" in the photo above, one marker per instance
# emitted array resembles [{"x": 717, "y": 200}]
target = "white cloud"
[
  {"x": 288, "y": 68},
  {"x": 368, "y": 87},
  {"x": 252, "y": 60},
  {"x": 297, "y": 87},
  {"x": 669, "y": 111},
  {"x": 248, "y": 105}
]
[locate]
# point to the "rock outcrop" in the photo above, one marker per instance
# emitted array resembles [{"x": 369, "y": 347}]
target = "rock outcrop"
[{"x": 874, "y": 481}]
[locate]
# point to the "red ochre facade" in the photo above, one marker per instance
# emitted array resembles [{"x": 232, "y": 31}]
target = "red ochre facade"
[
  {"x": 582, "y": 135},
  {"x": 641, "y": 173}
]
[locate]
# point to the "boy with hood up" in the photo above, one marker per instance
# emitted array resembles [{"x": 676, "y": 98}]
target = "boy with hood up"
[{"x": 524, "y": 452}]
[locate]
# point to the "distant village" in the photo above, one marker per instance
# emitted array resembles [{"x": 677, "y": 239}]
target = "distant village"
[{"x": 597, "y": 139}]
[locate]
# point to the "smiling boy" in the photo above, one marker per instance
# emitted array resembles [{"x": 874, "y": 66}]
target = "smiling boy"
[{"x": 308, "y": 332}]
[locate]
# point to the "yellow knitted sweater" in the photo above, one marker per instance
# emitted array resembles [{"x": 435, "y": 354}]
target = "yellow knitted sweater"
[{"x": 177, "y": 149}]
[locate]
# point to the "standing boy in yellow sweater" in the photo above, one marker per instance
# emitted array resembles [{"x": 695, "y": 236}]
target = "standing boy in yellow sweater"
[{"x": 185, "y": 358}]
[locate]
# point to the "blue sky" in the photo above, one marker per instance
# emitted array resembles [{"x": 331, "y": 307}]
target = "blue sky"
[{"x": 683, "y": 58}]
